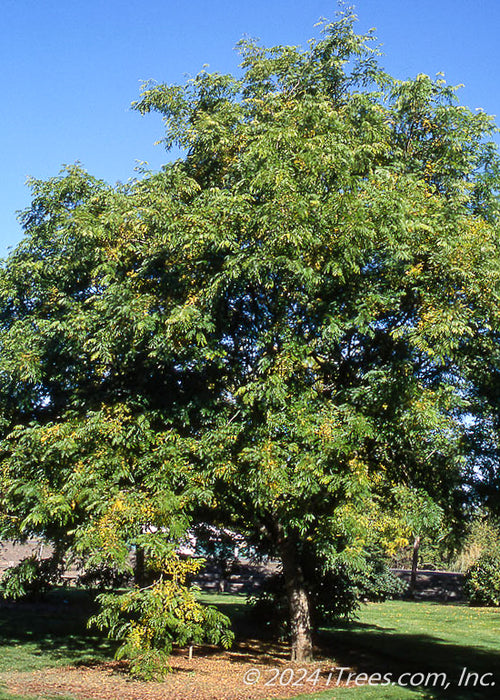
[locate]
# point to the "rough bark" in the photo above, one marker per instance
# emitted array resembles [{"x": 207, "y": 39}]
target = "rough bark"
[{"x": 298, "y": 601}]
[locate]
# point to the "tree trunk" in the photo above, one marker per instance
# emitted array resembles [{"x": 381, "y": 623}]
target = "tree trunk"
[
  {"x": 298, "y": 601},
  {"x": 414, "y": 564},
  {"x": 139, "y": 572}
]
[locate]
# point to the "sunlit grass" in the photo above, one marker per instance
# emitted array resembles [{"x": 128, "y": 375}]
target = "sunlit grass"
[{"x": 393, "y": 637}]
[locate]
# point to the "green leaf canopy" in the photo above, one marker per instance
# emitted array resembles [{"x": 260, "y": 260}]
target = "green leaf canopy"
[{"x": 273, "y": 332}]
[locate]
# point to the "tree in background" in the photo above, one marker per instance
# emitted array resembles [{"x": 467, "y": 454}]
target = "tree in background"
[
  {"x": 271, "y": 334},
  {"x": 422, "y": 517}
]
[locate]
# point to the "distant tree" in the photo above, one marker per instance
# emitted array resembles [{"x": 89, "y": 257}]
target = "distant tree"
[
  {"x": 271, "y": 333},
  {"x": 422, "y": 518}
]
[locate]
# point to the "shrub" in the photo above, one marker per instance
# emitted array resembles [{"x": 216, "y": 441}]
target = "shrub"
[
  {"x": 483, "y": 537},
  {"x": 31, "y": 578},
  {"x": 150, "y": 621},
  {"x": 336, "y": 594},
  {"x": 482, "y": 580}
]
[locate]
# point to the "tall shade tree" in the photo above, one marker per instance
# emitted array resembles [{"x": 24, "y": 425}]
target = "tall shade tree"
[{"x": 273, "y": 333}]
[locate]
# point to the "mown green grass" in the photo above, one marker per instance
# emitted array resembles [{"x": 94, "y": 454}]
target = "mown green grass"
[
  {"x": 392, "y": 637},
  {"x": 416, "y": 637},
  {"x": 53, "y": 633},
  {"x": 367, "y": 693},
  {"x": 407, "y": 637}
]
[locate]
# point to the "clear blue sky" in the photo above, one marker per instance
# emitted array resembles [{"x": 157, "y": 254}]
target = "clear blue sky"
[{"x": 71, "y": 68}]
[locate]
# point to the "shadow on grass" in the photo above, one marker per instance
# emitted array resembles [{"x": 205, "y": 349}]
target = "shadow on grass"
[
  {"x": 56, "y": 632},
  {"x": 54, "y": 629},
  {"x": 377, "y": 649},
  {"x": 384, "y": 649}
]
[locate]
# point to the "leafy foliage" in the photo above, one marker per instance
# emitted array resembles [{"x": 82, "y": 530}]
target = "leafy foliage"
[
  {"x": 149, "y": 621},
  {"x": 482, "y": 580},
  {"x": 481, "y": 537},
  {"x": 31, "y": 578},
  {"x": 334, "y": 594},
  {"x": 270, "y": 334}
]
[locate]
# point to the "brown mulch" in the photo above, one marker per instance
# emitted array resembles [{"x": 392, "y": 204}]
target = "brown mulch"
[{"x": 210, "y": 675}]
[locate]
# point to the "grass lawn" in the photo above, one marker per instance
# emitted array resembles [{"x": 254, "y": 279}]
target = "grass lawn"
[
  {"x": 36, "y": 636},
  {"x": 404, "y": 637},
  {"x": 395, "y": 637},
  {"x": 54, "y": 633},
  {"x": 412, "y": 638}
]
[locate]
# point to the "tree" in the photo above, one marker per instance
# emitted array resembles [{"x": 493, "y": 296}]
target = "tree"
[
  {"x": 422, "y": 518},
  {"x": 272, "y": 333}
]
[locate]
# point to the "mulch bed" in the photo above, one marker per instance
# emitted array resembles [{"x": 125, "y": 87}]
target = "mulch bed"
[{"x": 210, "y": 675}]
